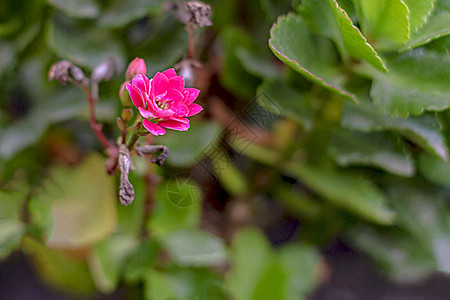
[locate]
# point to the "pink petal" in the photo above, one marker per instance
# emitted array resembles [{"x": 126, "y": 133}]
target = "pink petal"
[
  {"x": 173, "y": 95},
  {"x": 141, "y": 82},
  {"x": 159, "y": 84},
  {"x": 136, "y": 96},
  {"x": 190, "y": 95},
  {"x": 175, "y": 125},
  {"x": 153, "y": 128},
  {"x": 194, "y": 109},
  {"x": 176, "y": 83},
  {"x": 179, "y": 108},
  {"x": 145, "y": 113},
  {"x": 170, "y": 73},
  {"x": 164, "y": 113}
]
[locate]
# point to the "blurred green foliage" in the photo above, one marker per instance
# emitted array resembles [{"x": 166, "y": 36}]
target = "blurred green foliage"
[{"x": 336, "y": 115}]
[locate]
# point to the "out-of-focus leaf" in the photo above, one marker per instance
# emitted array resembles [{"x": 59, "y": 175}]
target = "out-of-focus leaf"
[
  {"x": 186, "y": 147},
  {"x": 195, "y": 248},
  {"x": 120, "y": 13},
  {"x": 91, "y": 48},
  {"x": 229, "y": 176},
  {"x": 59, "y": 269},
  {"x": 11, "y": 232},
  {"x": 435, "y": 169},
  {"x": 350, "y": 191},
  {"x": 437, "y": 25},
  {"x": 256, "y": 64},
  {"x": 82, "y": 201},
  {"x": 177, "y": 206},
  {"x": 291, "y": 41},
  {"x": 272, "y": 284},
  {"x": 7, "y": 55},
  {"x": 419, "y": 11},
  {"x": 371, "y": 149},
  {"x": 107, "y": 260},
  {"x": 297, "y": 202},
  {"x": 77, "y": 8},
  {"x": 354, "y": 42},
  {"x": 184, "y": 284},
  {"x": 141, "y": 261},
  {"x": 423, "y": 130},
  {"x": 398, "y": 254},
  {"x": 417, "y": 81},
  {"x": 386, "y": 21},
  {"x": 281, "y": 100},
  {"x": 301, "y": 262},
  {"x": 130, "y": 217},
  {"x": 234, "y": 77},
  {"x": 158, "y": 286},
  {"x": 251, "y": 255}
]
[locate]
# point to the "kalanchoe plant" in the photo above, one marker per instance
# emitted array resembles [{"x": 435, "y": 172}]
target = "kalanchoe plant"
[{"x": 163, "y": 101}]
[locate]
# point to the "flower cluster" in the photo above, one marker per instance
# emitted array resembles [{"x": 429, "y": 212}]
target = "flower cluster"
[{"x": 162, "y": 101}]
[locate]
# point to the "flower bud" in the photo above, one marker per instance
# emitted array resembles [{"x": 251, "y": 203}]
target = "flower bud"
[
  {"x": 137, "y": 66},
  {"x": 124, "y": 95},
  {"x": 127, "y": 114}
]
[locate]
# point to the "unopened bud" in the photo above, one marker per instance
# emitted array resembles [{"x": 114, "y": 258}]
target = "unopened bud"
[
  {"x": 64, "y": 71},
  {"x": 127, "y": 114},
  {"x": 124, "y": 95},
  {"x": 137, "y": 66},
  {"x": 191, "y": 12}
]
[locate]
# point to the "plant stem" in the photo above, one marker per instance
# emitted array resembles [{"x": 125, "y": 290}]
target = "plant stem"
[
  {"x": 132, "y": 140},
  {"x": 97, "y": 128}
]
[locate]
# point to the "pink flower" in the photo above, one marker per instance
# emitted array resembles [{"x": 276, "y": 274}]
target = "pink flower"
[
  {"x": 137, "y": 66},
  {"x": 163, "y": 101}
]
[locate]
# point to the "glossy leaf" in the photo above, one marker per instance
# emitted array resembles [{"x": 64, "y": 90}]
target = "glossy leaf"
[
  {"x": 354, "y": 42},
  {"x": 419, "y": 12},
  {"x": 386, "y": 21},
  {"x": 371, "y": 149},
  {"x": 291, "y": 41},
  {"x": 417, "y": 81},
  {"x": 423, "y": 130},
  {"x": 437, "y": 26},
  {"x": 195, "y": 248}
]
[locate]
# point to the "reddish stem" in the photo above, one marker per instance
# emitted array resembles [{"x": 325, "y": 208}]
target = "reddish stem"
[{"x": 97, "y": 128}]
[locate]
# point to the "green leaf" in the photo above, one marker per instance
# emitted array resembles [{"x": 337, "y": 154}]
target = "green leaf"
[
  {"x": 419, "y": 11},
  {"x": 234, "y": 77},
  {"x": 77, "y": 8},
  {"x": 417, "y": 82},
  {"x": 291, "y": 41},
  {"x": 386, "y": 21},
  {"x": 257, "y": 64},
  {"x": 11, "y": 233},
  {"x": 178, "y": 204},
  {"x": 120, "y": 13},
  {"x": 93, "y": 46},
  {"x": 348, "y": 190},
  {"x": 251, "y": 255},
  {"x": 398, "y": 254},
  {"x": 435, "y": 169},
  {"x": 141, "y": 261},
  {"x": 82, "y": 200},
  {"x": 277, "y": 98},
  {"x": 272, "y": 284},
  {"x": 107, "y": 260},
  {"x": 158, "y": 286},
  {"x": 371, "y": 149},
  {"x": 195, "y": 248},
  {"x": 228, "y": 174},
  {"x": 423, "y": 130},
  {"x": 437, "y": 26},
  {"x": 300, "y": 262},
  {"x": 186, "y": 148},
  {"x": 60, "y": 269},
  {"x": 354, "y": 42}
]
